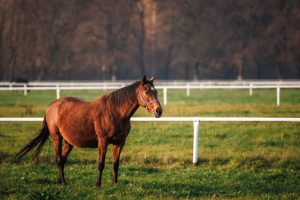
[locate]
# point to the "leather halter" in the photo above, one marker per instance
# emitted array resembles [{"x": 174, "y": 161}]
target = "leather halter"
[{"x": 148, "y": 103}]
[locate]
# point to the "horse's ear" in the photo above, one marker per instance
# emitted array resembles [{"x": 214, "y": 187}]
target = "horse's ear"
[
  {"x": 152, "y": 78},
  {"x": 144, "y": 79}
]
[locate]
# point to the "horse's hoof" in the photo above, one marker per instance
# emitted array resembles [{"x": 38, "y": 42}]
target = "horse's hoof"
[
  {"x": 61, "y": 182},
  {"x": 98, "y": 185},
  {"x": 114, "y": 180}
]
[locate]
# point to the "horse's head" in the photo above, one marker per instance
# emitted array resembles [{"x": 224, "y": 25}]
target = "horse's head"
[{"x": 147, "y": 97}]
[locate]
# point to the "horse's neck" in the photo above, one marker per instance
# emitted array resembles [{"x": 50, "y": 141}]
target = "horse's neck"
[
  {"x": 131, "y": 110},
  {"x": 126, "y": 109}
]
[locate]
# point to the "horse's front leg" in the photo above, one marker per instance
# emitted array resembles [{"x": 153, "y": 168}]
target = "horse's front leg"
[
  {"x": 116, "y": 159},
  {"x": 102, "y": 147}
]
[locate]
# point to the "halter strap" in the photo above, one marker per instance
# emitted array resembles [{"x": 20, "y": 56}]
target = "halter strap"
[{"x": 148, "y": 103}]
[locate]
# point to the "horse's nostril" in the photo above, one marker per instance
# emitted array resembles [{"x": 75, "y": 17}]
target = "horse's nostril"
[{"x": 158, "y": 111}]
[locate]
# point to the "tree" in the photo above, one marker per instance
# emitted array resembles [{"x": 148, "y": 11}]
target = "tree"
[{"x": 175, "y": 39}]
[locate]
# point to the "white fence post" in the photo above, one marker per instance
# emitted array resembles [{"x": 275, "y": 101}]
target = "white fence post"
[
  {"x": 188, "y": 92},
  {"x": 251, "y": 89},
  {"x": 195, "y": 146},
  {"x": 278, "y": 96},
  {"x": 25, "y": 89},
  {"x": 57, "y": 92},
  {"x": 165, "y": 91}
]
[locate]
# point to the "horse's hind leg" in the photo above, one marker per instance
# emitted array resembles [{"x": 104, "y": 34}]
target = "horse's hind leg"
[
  {"x": 61, "y": 157},
  {"x": 66, "y": 150},
  {"x": 57, "y": 141}
]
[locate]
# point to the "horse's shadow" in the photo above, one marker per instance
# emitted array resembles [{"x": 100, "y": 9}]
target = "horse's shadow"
[
  {"x": 4, "y": 156},
  {"x": 144, "y": 170}
]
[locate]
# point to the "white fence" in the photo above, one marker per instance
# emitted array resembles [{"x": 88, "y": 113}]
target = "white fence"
[
  {"x": 195, "y": 121},
  {"x": 165, "y": 89}
]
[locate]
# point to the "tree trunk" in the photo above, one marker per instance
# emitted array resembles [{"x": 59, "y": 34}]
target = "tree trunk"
[{"x": 142, "y": 40}]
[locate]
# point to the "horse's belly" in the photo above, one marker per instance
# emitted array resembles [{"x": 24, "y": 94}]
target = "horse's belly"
[
  {"x": 88, "y": 144},
  {"x": 82, "y": 142},
  {"x": 80, "y": 138}
]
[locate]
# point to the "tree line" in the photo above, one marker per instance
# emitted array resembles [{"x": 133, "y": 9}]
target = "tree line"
[{"x": 173, "y": 39}]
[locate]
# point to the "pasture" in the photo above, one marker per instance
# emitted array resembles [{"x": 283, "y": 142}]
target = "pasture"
[{"x": 237, "y": 160}]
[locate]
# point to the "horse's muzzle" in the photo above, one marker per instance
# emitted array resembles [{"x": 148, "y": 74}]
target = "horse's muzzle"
[{"x": 157, "y": 112}]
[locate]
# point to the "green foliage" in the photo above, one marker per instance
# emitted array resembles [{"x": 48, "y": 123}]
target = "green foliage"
[{"x": 238, "y": 160}]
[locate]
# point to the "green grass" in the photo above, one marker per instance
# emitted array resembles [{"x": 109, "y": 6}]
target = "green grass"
[
  {"x": 234, "y": 96},
  {"x": 238, "y": 160}
]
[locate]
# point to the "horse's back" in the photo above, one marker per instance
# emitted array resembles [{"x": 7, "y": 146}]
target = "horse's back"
[{"x": 61, "y": 105}]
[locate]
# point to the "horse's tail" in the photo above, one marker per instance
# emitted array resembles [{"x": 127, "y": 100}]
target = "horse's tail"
[{"x": 37, "y": 143}]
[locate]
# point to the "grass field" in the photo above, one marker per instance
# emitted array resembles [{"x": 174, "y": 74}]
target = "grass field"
[{"x": 238, "y": 160}]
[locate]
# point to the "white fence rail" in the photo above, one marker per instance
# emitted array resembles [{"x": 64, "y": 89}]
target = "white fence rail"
[{"x": 195, "y": 121}]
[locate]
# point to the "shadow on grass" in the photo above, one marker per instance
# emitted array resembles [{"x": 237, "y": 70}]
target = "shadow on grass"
[
  {"x": 5, "y": 191},
  {"x": 81, "y": 161},
  {"x": 5, "y": 136},
  {"x": 143, "y": 170},
  {"x": 214, "y": 161},
  {"x": 272, "y": 143},
  {"x": 42, "y": 181},
  {"x": 4, "y": 156},
  {"x": 256, "y": 161},
  {"x": 42, "y": 159}
]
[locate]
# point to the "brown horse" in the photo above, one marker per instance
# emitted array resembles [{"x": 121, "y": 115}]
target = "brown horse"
[{"x": 94, "y": 124}]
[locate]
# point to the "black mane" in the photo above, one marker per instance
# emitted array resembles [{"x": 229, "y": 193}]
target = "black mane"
[{"x": 124, "y": 94}]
